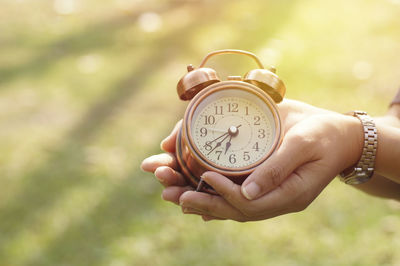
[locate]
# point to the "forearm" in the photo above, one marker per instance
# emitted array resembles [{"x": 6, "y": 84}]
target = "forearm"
[
  {"x": 293, "y": 111},
  {"x": 380, "y": 186},
  {"x": 387, "y": 162}
]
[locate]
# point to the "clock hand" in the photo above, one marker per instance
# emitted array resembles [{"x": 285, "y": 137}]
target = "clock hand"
[
  {"x": 217, "y": 130},
  {"x": 209, "y": 142},
  {"x": 218, "y": 144},
  {"x": 228, "y": 144},
  {"x": 229, "y": 133},
  {"x": 233, "y": 132}
]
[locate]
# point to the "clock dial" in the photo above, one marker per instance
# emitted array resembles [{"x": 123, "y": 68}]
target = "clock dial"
[{"x": 233, "y": 128}]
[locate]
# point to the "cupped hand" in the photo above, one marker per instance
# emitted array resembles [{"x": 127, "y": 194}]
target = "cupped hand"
[
  {"x": 269, "y": 177},
  {"x": 165, "y": 168},
  {"x": 312, "y": 153}
]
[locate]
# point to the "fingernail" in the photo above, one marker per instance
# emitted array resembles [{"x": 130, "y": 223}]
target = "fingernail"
[
  {"x": 157, "y": 174},
  {"x": 144, "y": 164},
  {"x": 251, "y": 190},
  {"x": 162, "y": 143}
]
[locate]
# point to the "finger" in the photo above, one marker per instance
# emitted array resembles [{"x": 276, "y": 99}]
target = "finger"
[
  {"x": 173, "y": 194},
  {"x": 210, "y": 205},
  {"x": 168, "y": 144},
  {"x": 226, "y": 188},
  {"x": 188, "y": 210},
  {"x": 169, "y": 177},
  {"x": 293, "y": 152},
  {"x": 262, "y": 208},
  {"x": 151, "y": 163},
  {"x": 293, "y": 195},
  {"x": 207, "y": 218}
]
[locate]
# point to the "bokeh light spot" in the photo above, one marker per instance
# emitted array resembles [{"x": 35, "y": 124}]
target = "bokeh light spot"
[
  {"x": 150, "y": 22},
  {"x": 90, "y": 63},
  {"x": 66, "y": 7},
  {"x": 362, "y": 70}
]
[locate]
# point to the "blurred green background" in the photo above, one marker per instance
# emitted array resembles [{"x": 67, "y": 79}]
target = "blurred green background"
[{"x": 87, "y": 91}]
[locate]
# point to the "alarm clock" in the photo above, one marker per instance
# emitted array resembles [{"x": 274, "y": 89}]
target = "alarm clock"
[{"x": 230, "y": 126}]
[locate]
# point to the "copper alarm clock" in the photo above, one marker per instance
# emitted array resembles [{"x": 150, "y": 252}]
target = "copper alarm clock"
[{"x": 229, "y": 126}]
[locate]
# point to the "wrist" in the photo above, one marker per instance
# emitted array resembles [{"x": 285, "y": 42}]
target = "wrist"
[{"x": 354, "y": 136}]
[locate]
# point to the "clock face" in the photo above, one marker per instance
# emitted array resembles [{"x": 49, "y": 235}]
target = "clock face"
[{"x": 233, "y": 128}]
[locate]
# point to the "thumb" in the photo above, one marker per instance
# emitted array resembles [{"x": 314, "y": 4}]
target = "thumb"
[
  {"x": 168, "y": 144},
  {"x": 292, "y": 153}
]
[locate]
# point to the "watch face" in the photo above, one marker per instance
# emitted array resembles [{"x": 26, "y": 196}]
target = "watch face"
[{"x": 234, "y": 128}]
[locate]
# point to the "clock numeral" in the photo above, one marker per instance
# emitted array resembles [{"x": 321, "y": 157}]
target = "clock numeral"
[
  {"x": 219, "y": 110},
  {"x": 232, "y": 158},
  {"x": 261, "y": 133},
  {"x": 246, "y": 156},
  {"x": 255, "y": 147},
  {"x": 208, "y": 146},
  {"x": 219, "y": 154},
  {"x": 209, "y": 120},
  {"x": 203, "y": 132},
  {"x": 257, "y": 120},
  {"x": 233, "y": 107},
  {"x": 247, "y": 110}
]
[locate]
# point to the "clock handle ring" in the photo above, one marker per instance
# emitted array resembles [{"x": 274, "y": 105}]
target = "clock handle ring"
[{"x": 231, "y": 51}]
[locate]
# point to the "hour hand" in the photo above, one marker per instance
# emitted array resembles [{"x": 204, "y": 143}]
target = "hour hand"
[{"x": 228, "y": 145}]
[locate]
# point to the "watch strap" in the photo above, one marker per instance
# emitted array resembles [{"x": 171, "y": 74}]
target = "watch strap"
[{"x": 364, "y": 169}]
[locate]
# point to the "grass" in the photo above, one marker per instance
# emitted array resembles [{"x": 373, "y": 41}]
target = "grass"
[{"x": 87, "y": 91}]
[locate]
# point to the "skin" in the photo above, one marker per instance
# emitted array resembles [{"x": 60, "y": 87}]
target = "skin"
[{"x": 318, "y": 144}]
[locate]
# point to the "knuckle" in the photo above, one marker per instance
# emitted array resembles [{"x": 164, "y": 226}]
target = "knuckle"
[
  {"x": 211, "y": 206},
  {"x": 229, "y": 192},
  {"x": 307, "y": 151},
  {"x": 275, "y": 174},
  {"x": 306, "y": 144}
]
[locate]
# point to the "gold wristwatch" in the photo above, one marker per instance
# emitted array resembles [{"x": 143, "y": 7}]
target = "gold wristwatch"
[{"x": 364, "y": 169}]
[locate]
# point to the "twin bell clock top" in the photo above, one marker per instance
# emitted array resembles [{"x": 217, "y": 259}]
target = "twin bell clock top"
[{"x": 230, "y": 126}]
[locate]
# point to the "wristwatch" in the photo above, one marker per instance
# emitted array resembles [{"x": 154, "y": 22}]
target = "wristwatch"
[{"x": 364, "y": 169}]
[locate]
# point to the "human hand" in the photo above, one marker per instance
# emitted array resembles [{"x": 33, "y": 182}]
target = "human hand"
[
  {"x": 165, "y": 168},
  {"x": 312, "y": 176},
  {"x": 312, "y": 153}
]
